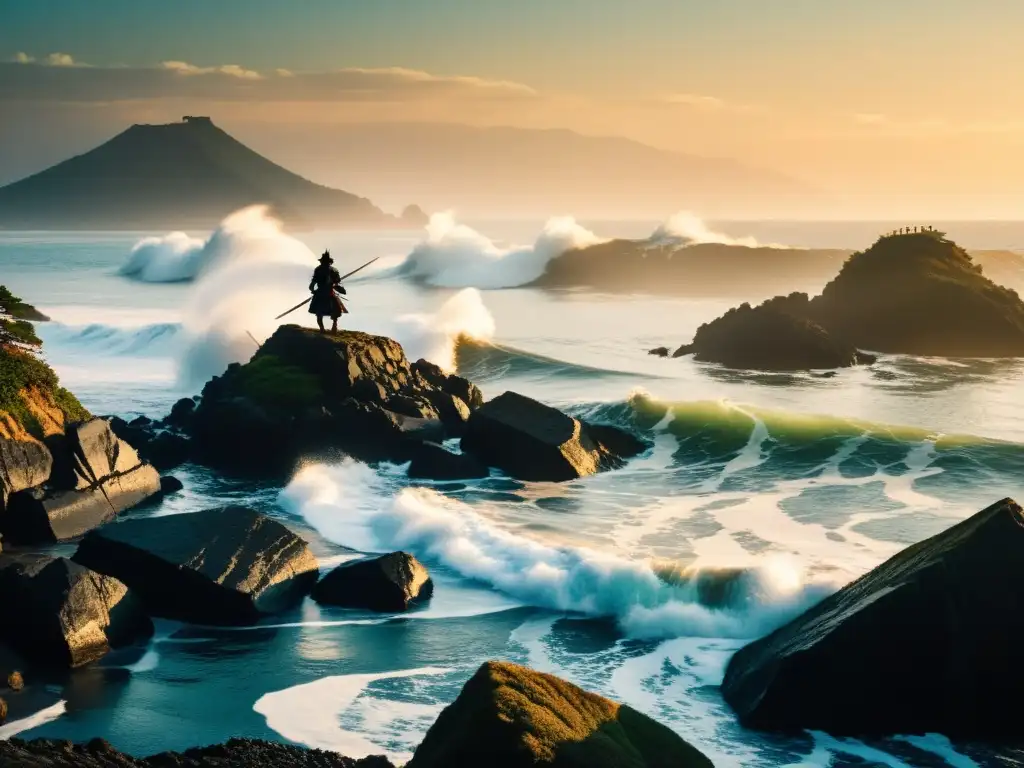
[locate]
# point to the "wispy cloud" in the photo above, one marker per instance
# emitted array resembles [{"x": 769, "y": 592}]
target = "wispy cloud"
[
  {"x": 50, "y": 60},
  {"x": 232, "y": 70},
  {"x": 705, "y": 103},
  {"x": 61, "y": 78}
]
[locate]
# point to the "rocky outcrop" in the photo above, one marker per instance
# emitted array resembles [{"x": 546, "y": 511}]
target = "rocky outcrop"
[
  {"x": 774, "y": 336},
  {"x": 508, "y": 716},
  {"x": 431, "y": 461},
  {"x": 236, "y": 753},
  {"x": 223, "y": 566},
  {"x": 94, "y": 476},
  {"x": 60, "y": 614},
  {"x": 532, "y": 441},
  {"x": 926, "y": 642},
  {"x": 61, "y": 471},
  {"x": 306, "y": 393},
  {"x": 921, "y": 294},
  {"x": 916, "y": 293},
  {"x": 388, "y": 583}
]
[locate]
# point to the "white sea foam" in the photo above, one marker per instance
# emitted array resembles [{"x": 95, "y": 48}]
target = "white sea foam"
[
  {"x": 309, "y": 714},
  {"x": 688, "y": 228},
  {"x": 35, "y": 720},
  {"x": 350, "y": 505}
]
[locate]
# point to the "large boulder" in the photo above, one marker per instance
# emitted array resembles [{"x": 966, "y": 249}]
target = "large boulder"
[
  {"x": 23, "y": 464},
  {"x": 508, "y": 716},
  {"x": 432, "y": 461},
  {"x": 235, "y": 753},
  {"x": 388, "y": 583},
  {"x": 224, "y": 566},
  {"x": 307, "y": 393},
  {"x": 60, "y": 614},
  {"x": 926, "y": 642},
  {"x": 772, "y": 337},
  {"x": 94, "y": 476},
  {"x": 532, "y": 441}
]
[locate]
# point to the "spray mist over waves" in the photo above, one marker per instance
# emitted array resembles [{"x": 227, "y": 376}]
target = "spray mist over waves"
[
  {"x": 456, "y": 256},
  {"x": 249, "y": 234},
  {"x": 258, "y": 268},
  {"x": 352, "y": 505},
  {"x": 687, "y": 228}
]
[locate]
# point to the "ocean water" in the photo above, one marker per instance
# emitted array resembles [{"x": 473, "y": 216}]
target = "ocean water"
[{"x": 762, "y": 492}]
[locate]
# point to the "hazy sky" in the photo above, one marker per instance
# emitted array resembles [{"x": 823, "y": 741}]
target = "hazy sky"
[{"x": 884, "y": 100}]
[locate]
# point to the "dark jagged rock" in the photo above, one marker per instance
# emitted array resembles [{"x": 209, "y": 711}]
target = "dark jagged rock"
[
  {"x": 60, "y": 614},
  {"x": 220, "y": 566},
  {"x": 170, "y": 484},
  {"x": 182, "y": 413},
  {"x": 389, "y": 583},
  {"x": 659, "y": 352},
  {"x": 456, "y": 386},
  {"x": 532, "y": 441},
  {"x": 926, "y": 642},
  {"x": 508, "y": 716},
  {"x": 431, "y": 461},
  {"x": 307, "y": 393},
  {"x": 236, "y": 753},
  {"x": 95, "y": 475},
  {"x": 775, "y": 336}
]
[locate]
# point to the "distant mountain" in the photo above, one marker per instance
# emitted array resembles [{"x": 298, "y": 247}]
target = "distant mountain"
[
  {"x": 186, "y": 175},
  {"x": 517, "y": 172}
]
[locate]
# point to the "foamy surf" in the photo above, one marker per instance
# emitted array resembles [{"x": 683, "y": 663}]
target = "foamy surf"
[
  {"x": 309, "y": 714},
  {"x": 351, "y": 505}
]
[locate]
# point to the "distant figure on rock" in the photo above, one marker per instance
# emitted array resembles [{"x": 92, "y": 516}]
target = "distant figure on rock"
[{"x": 326, "y": 285}]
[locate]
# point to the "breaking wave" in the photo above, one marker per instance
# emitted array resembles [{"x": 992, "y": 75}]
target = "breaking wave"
[
  {"x": 250, "y": 234},
  {"x": 456, "y": 256},
  {"x": 157, "y": 339},
  {"x": 482, "y": 361},
  {"x": 352, "y": 505}
]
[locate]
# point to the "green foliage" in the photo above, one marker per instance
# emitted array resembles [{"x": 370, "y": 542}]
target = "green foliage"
[
  {"x": 19, "y": 330},
  {"x": 269, "y": 381},
  {"x": 17, "y": 308},
  {"x": 20, "y": 370}
]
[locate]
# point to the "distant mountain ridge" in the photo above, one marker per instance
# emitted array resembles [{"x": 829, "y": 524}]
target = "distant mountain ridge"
[
  {"x": 186, "y": 175},
  {"x": 511, "y": 172}
]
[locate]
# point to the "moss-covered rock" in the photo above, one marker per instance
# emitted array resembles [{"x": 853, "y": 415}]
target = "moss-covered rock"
[
  {"x": 307, "y": 393},
  {"x": 508, "y": 716}
]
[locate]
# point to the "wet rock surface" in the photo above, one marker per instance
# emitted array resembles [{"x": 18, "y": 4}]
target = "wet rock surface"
[
  {"x": 60, "y": 614},
  {"x": 94, "y": 475},
  {"x": 924, "y": 643},
  {"x": 532, "y": 441},
  {"x": 389, "y": 583},
  {"x": 223, "y": 566}
]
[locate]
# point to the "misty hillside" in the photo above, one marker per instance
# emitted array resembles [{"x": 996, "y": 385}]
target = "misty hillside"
[
  {"x": 186, "y": 175},
  {"x": 520, "y": 172}
]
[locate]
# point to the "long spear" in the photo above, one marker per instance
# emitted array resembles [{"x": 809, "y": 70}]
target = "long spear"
[{"x": 348, "y": 274}]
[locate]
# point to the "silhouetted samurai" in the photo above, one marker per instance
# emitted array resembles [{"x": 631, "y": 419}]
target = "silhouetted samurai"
[{"x": 326, "y": 285}]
